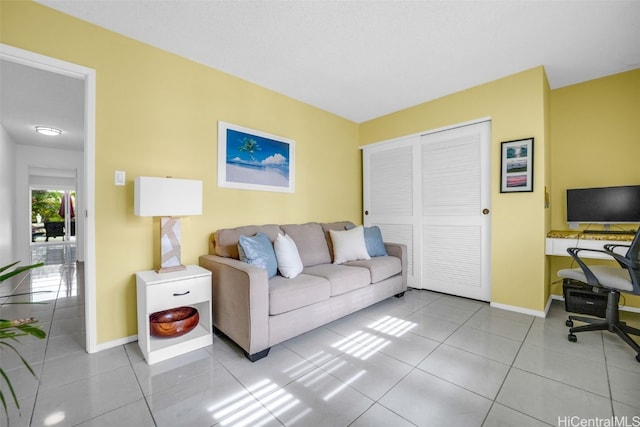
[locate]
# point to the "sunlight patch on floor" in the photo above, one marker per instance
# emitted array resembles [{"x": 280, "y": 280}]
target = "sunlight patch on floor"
[{"x": 392, "y": 326}]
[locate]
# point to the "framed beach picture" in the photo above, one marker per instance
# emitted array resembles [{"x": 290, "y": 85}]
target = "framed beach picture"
[
  {"x": 516, "y": 166},
  {"x": 253, "y": 160}
]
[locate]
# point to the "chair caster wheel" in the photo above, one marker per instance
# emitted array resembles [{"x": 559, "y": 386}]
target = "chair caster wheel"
[
  {"x": 573, "y": 338},
  {"x": 569, "y": 323}
]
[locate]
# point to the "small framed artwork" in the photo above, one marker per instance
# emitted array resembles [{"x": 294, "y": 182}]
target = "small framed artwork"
[
  {"x": 252, "y": 160},
  {"x": 516, "y": 166}
]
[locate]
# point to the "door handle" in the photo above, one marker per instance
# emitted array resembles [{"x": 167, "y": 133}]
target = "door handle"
[{"x": 485, "y": 211}]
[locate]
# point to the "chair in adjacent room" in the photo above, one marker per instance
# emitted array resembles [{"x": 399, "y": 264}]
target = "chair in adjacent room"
[{"x": 612, "y": 280}]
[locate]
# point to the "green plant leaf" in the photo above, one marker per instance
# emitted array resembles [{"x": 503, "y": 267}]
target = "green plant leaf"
[
  {"x": 22, "y": 359},
  {"x": 4, "y": 405},
  {"x": 10, "y": 334},
  {"x": 30, "y": 293},
  {"x": 33, "y": 330},
  {"x": 23, "y": 302},
  {"x": 6, "y": 267},
  {"x": 18, "y": 270},
  {"x": 10, "y": 330},
  {"x": 13, "y": 393}
]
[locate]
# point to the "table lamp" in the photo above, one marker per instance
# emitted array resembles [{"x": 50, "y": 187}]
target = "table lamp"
[{"x": 168, "y": 198}]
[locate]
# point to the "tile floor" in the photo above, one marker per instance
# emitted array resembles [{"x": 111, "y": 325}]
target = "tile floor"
[{"x": 425, "y": 359}]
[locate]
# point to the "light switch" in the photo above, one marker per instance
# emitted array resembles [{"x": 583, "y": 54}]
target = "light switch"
[{"x": 119, "y": 177}]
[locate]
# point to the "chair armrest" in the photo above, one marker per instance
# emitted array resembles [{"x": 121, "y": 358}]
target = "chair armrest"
[
  {"x": 612, "y": 246},
  {"x": 622, "y": 260},
  {"x": 240, "y": 301},
  {"x": 399, "y": 250},
  {"x": 592, "y": 280}
]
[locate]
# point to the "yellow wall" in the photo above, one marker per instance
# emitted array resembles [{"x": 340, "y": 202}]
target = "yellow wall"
[
  {"x": 157, "y": 115},
  {"x": 547, "y": 178},
  {"x": 516, "y": 105},
  {"x": 595, "y": 129}
]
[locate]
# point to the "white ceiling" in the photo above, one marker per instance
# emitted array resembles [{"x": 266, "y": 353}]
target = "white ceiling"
[
  {"x": 364, "y": 59},
  {"x": 31, "y": 97}
]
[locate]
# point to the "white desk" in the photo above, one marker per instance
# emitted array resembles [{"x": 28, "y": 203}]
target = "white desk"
[{"x": 561, "y": 241}]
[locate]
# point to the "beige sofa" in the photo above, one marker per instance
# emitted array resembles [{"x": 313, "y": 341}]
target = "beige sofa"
[{"x": 257, "y": 312}]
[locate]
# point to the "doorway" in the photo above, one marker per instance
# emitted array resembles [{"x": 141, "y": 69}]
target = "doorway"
[
  {"x": 53, "y": 226},
  {"x": 85, "y": 229}
]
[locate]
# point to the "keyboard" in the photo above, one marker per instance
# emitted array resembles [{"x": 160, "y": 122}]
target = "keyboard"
[{"x": 631, "y": 232}]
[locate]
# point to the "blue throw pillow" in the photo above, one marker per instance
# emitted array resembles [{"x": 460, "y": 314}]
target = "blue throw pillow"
[
  {"x": 258, "y": 250},
  {"x": 373, "y": 240}
]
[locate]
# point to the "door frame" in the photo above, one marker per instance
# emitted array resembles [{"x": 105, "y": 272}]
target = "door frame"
[{"x": 88, "y": 75}]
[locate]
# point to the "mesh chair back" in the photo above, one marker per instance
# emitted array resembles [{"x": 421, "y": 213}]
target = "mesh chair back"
[{"x": 634, "y": 255}]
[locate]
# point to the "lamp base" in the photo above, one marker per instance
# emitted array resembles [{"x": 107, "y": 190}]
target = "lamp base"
[
  {"x": 170, "y": 245},
  {"x": 170, "y": 269}
]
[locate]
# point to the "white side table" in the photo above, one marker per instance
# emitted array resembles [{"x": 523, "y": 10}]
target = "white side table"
[{"x": 156, "y": 292}]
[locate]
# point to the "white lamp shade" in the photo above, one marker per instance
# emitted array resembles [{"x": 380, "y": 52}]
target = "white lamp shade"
[{"x": 167, "y": 196}]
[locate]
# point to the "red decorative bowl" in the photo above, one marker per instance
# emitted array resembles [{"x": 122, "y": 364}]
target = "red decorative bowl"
[{"x": 173, "y": 322}]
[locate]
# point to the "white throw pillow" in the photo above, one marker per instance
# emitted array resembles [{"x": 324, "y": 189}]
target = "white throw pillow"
[
  {"x": 289, "y": 262},
  {"x": 349, "y": 245}
]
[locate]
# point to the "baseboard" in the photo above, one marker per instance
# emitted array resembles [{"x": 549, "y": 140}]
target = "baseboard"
[
  {"x": 548, "y": 306},
  {"x": 630, "y": 309},
  {"x": 516, "y": 309}
]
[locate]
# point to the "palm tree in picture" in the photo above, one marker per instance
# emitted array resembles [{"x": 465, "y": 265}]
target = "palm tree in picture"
[{"x": 250, "y": 146}]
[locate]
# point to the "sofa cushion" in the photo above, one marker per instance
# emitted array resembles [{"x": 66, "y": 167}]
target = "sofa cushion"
[
  {"x": 381, "y": 267},
  {"x": 310, "y": 241},
  {"x": 225, "y": 241},
  {"x": 258, "y": 250},
  {"x": 290, "y": 294},
  {"x": 337, "y": 226},
  {"x": 287, "y": 255},
  {"x": 342, "y": 278},
  {"x": 348, "y": 245},
  {"x": 373, "y": 240}
]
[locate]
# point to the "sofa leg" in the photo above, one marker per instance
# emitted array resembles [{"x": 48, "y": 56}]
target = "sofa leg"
[
  {"x": 400, "y": 295},
  {"x": 257, "y": 356}
]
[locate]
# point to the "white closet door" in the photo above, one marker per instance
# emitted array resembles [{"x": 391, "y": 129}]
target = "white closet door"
[
  {"x": 388, "y": 193},
  {"x": 455, "y": 195}
]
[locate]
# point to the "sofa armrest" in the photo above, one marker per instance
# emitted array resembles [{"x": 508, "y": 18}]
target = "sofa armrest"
[
  {"x": 399, "y": 250},
  {"x": 240, "y": 301}
]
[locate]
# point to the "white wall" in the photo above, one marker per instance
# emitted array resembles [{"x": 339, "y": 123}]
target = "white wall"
[
  {"x": 37, "y": 157},
  {"x": 8, "y": 250}
]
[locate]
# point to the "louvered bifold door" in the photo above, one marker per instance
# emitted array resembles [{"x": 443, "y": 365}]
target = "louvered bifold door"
[
  {"x": 455, "y": 221},
  {"x": 388, "y": 196}
]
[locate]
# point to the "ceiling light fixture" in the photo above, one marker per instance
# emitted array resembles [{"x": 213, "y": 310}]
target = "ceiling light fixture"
[{"x": 49, "y": 131}]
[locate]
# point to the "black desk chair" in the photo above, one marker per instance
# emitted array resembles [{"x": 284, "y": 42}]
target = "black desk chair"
[{"x": 613, "y": 280}]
